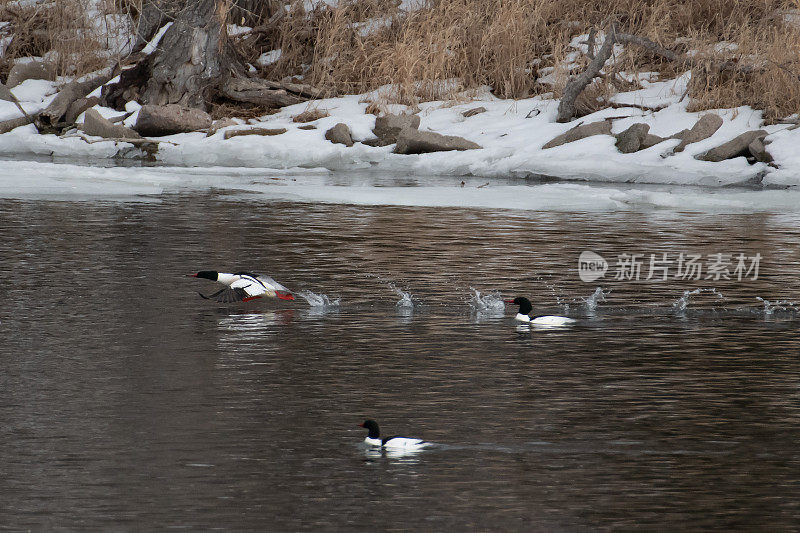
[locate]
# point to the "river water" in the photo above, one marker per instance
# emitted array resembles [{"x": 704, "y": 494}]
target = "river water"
[{"x": 127, "y": 402}]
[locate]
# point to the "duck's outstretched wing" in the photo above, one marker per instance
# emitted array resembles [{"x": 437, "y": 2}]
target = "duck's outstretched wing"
[
  {"x": 226, "y": 295},
  {"x": 272, "y": 287},
  {"x": 242, "y": 290}
]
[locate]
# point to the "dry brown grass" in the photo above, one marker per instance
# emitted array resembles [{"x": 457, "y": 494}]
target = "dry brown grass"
[
  {"x": 311, "y": 113},
  {"x": 59, "y": 30},
  {"x": 453, "y": 45},
  {"x": 496, "y": 43}
]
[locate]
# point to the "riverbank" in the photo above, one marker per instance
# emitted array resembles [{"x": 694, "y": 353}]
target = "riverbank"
[
  {"x": 511, "y": 135},
  {"x": 601, "y": 102}
]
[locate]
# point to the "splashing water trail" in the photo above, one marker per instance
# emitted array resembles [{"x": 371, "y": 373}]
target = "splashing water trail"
[
  {"x": 406, "y": 300},
  {"x": 683, "y": 302},
  {"x": 487, "y": 304},
  {"x": 597, "y": 296},
  {"x": 319, "y": 300},
  {"x": 560, "y": 302},
  {"x": 780, "y": 305}
]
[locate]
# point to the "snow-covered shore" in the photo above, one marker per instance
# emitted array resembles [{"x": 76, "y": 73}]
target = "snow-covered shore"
[{"x": 511, "y": 134}]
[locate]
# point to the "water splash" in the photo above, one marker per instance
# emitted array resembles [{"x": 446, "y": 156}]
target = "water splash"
[
  {"x": 406, "y": 298},
  {"x": 555, "y": 292},
  {"x": 780, "y": 305},
  {"x": 597, "y": 296},
  {"x": 682, "y": 303},
  {"x": 489, "y": 304},
  {"x": 319, "y": 300}
]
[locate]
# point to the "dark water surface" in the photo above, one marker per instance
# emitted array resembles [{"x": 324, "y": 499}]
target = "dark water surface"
[{"x": 129, "y": 403}]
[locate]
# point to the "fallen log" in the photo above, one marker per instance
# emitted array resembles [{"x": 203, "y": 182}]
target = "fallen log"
[
  {"x": 683, "y": 60},
  {"x": 14, "y": 123},
  {"x": 300, "y": 89},
  {"x": 51, "y": 118},
  {"x": 260, "y": 93},
  {"x": 254, "y": 131}
]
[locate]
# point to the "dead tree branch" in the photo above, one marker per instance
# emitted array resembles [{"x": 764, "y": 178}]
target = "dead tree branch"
[
  {"x": 566, "y": 108},
  {"x": 576, "y": 85}
]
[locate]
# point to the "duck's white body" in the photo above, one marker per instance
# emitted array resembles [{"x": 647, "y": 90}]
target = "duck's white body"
[
  {"x": 244, "y": 287},
  {"x": 253, "y": 285},
  {"x": 525, "y": 308},
  {"x": 404, "y": 443},
  {"x": 546, "y": 320}
]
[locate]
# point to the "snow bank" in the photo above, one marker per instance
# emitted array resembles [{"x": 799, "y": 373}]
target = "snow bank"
[{"x": 511, "y": 133}]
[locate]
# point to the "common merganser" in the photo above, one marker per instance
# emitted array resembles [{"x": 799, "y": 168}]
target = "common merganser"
[
  {"x": 243, "y": 287},
  {"x": 374, "y": 439},
  {"x": 523, "y": 315}
]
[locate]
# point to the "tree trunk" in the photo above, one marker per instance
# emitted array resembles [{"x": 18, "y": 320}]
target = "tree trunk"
[
  {"x": 187, "y": 65},
  {"x": 154, "y": 14},
  {"x": 566, "y": 108},
  {"x": 193, "y": 63}
]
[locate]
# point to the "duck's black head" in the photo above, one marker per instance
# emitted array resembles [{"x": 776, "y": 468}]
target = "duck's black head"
[
  {"x": 213, "y": 275},
  {"x": 524, "y": 304},
  {"x": 372, "y": 426}
]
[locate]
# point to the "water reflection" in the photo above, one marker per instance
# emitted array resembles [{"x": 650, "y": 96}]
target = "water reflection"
[
  {"x": 120, "y": 387},
  {"x": 395, "y": 455}
]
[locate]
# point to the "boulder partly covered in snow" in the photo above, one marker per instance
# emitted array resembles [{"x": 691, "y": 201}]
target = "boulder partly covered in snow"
[
  {"x": 737, "y": 147},
  {"x": 340, "y": 134},
  {"x": 704, "y": 128},
  {"x": 155, "y": 120},
  {"x": 631, "y": 139},
  {"x": 580, "y": 132},
  {"x": 412, "y": 141},
  {"x": 388, "y": 127},
  {"x": 35, "y": 69}
]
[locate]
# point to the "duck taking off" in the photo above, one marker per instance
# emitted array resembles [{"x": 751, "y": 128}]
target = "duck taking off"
[
  {"x": 374, "y": 439},
  {"x": 243, "y": 287},
  {"x": 525, "y": 308}
]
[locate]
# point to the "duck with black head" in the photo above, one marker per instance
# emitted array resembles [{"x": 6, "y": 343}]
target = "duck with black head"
[
  {"x": 374, "y": 439},
  {"x": 243, "y": 287},
  {"x": 525, "y": 308}
]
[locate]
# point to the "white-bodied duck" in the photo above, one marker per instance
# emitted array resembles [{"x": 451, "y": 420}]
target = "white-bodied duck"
[
  {"x": 243, "y": 287},
  {"x": 390, "y": 443},
  {"x": 525, "y": 308}
]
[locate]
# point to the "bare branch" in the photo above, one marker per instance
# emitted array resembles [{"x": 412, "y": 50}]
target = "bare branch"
[{"x": 566, "y": 108}]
